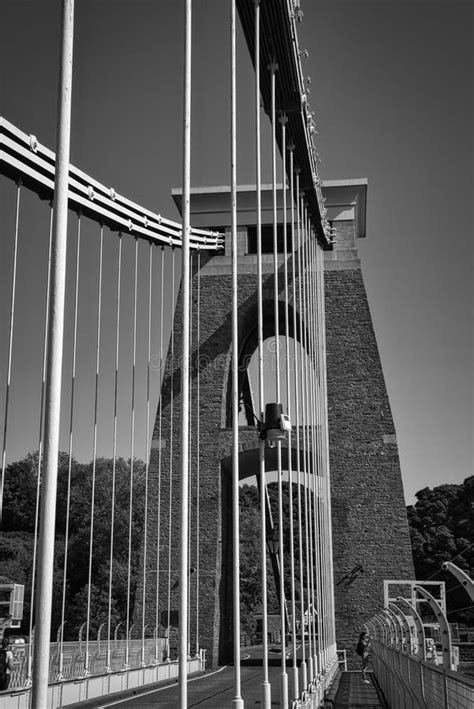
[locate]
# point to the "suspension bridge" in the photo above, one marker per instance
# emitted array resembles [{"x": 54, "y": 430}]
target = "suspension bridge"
[{"x": 196, "y": 429}]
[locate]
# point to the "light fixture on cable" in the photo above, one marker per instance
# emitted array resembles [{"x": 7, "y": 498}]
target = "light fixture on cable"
[{"x": 276, "y": 425}]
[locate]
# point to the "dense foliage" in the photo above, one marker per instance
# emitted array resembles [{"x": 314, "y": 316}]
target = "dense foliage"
[
  {"x": 442, "y": 529},
  {"x": 250, "y": 557},
  {"x": 75, "y": 480}
]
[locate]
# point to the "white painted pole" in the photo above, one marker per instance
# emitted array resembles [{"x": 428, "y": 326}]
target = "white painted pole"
[
  {"x": 266, "y": 687},
  {"x": 184, "y": 481},
  {"x": 53, "y": 366},
  {"x": 237, "y": 702},
  {"x": 276, "y": 305},
  {"x": 294, "y": 669}
]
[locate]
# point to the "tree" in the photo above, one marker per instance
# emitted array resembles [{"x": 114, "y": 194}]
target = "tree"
[
  {"x": 73, "y": 533},
  {"x": 250, "y": 558},
  {"x": 442, "y": 529}
]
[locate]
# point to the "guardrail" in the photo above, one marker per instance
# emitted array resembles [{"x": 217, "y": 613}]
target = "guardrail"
[
  {"x": 75, "y": 686},
  {"x": 74, "y": 656},
  {"x": 412, "y": 683}
]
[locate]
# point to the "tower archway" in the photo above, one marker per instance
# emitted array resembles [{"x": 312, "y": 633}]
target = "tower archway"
[{"x": 365, "y": 471}]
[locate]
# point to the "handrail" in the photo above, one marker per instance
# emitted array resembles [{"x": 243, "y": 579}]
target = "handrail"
[
  {"x": 408, "y": 681},
  {"x": 461, "y": 576},
  {"x": 420, "y": 633},
  {"x": 443, "y": 624}
]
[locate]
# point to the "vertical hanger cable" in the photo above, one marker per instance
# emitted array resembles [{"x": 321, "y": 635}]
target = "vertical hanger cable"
[
  {"x": 10, "y": 342},
  {"x": 266, "y": 689},
  {"x": 289, "y": 405},
  {"x": 71, "y": 434},
  {"x": 294, "y": 415},
  {"x": 147, "y": 447},
  {"x": 237, "y": 701},
  {"x": 184, "y": 439},
  {"x": 283, "y": 631},
  {"x": 314, "y": 469},
  {"x": 190, "y": 451},
  {"x": 94, "y": 445},
  {"x": 304, "y": 400},
  {"x": 158, "y": 648},
  {"x": 170, "y": 502},
  {"x": 132, "y": 455},
  {"x": 297, "y": 326},
  {"x": 40, "y": 458},
  {"x": 198, "y": 443},
  {"x": 114, "y": 451},
  {"x": 315, "y": 453},
  {"x": 309, "y": 447}
]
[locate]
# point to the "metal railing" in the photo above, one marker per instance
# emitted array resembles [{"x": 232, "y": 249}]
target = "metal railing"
[
  {"x": 411, "y": 683},
  {"x": 74, "y": 658},
  {"x": 101, "y": 681}
]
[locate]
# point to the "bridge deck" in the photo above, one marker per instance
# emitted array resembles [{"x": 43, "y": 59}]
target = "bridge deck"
[
  {"x": 352, "y": 691},
  {"x": 214, "y": 690}
]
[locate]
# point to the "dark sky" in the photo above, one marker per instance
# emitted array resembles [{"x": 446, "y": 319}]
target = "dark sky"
[{"x": 391, "y": 87}]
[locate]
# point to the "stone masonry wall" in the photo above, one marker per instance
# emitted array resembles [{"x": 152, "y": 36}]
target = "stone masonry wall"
[
  {"x": 211, "y": 364},
  {"x": 370, "y": 531}
]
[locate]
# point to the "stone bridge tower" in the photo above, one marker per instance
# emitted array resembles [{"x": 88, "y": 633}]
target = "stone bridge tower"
[
  {"x": 367, "y": 494},
  {"x": 371, "y": 540}
]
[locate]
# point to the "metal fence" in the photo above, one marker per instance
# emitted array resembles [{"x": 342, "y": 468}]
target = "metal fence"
[
  {"x": 410, "y": 683},
  {"x": 73, "y": 662}
]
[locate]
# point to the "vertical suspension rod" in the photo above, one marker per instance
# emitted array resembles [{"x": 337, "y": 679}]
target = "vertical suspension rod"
[
  {"x": 198, "y": 450},
  {"x": 266, "y": 688},
  {"x": 304, "y": 402},
  {"x": 295, "y": 682},
  {"x": 237, "y": 702},
  {"x": 283, "y": 674},
  {"x": 171, "y": 468},
  {"x": 326, "y": 458},
  {"x": 299, "y": 419},
  {"x": 39, "y": 473},
  {"x": 10, "y": 345},
  {"x": 132, "y": 454},
  {"x": 190, "y": 445},
  {"x": 320, "y": 535},
  {"x": 159, "y": 653},
  {"x": 316, "y": 467},
  {"x": 69, "y": 471},
  {"x": 184, "y": 479},
  {"x": 273, "y": 69},
  {"x": 309, "y": 431},
  {"x": 147, "y": 443},
  {"x": 311, "y": 447},
  {"x": 294, "y": 670},
  {"x": 54, "y": 364},
  {"x": 108, "y": 667},
  {"x": 325, "y": 581},
  {"x": 94, "y": 451}
]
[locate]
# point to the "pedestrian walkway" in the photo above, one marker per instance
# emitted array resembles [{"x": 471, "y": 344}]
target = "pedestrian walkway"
[{"x": 352, "y": 691}]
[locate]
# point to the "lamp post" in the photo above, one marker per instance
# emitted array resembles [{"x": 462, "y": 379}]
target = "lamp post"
[
  {"x": 273, "y": 543},
  {"x": 273, "y": 430},
  {"x": 276, "y": 425}
]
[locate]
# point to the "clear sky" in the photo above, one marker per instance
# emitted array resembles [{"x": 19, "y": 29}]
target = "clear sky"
[{"x": 391, "y": 87}]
